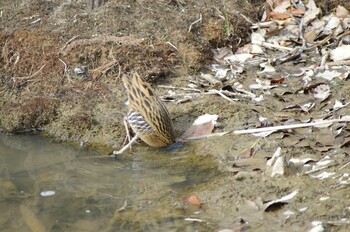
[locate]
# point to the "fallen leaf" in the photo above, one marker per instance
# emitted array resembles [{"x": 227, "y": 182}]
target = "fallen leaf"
[
  {"x": 311, "y": 13},
  {"x": 295, "y": 11},
  {"x": 310, "y": 36},
  {"x": 322, "y": 92},
  {"x": 238, "y": 58},
  {"x": 341, "y": 53},
  {"x": 203, "y": 125},
  {"x": 276, "y": 15},
  {"x": 328, "y": 75},
  {"x": 271, "y": 205},
  {"x": 192, "y": 199},
  {"x": 341, "y": 12}
]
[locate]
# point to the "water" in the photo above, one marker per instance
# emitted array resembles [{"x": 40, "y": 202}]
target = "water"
[{"x": 46, "y": 186}]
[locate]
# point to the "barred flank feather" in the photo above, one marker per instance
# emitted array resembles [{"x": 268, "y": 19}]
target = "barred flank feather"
[{"x": 148, "y": 116}]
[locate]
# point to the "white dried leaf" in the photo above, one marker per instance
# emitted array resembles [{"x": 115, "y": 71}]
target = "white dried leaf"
[
  {"x": 306, "y": 107},
  {"x": 262, "y": 84},
  {"x": 256, "y": 49},
  {"x": 323, "y": 175},
  {"x": 333, "y": 22},
  {"x": 324, "y": 162},
  {"x": 338, "y": 105},
  {"x": 282, "y": 6},
  {"x": 294, "y": 31},
  {"x": 266, "y": 24},
  {"x": 338, "y": 30},
  {"x": 322, "y": 92},
  {"x": 318, "y": 228},
  {"x": 346, "y": 23},
  {"x": 279, "y": 167},
  {"x": 317, "y": 26},
  {"x": 262, "y": 119},
  {"x": 328, "y": 75},
  {"x": 341, "y": 12},
  {"x": 238, "y": 57},
  {"x": 259, "y": 99},
  {"x": 257, "y": 37},
  {"x": 206, "y": 118},
  {"x": 311, "y": 13},
  {"x": 341, "y": 53},
  {"x": 268, "y": 68},
  {"x": 283, "y": 199},
  {"x": 274, "y": 157},
  {"x": 303, "y": 160},
  {"x": 277, "y": 162}
]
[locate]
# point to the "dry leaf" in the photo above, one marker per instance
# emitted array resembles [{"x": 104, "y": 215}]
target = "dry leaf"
[
  {"x": 322, "y": 92},
  {"x": 310, "y": 36},
  {"x": 276, "y": 15},
  {"x": 203, "y": 125},
  {"x": 341, "y": 53},
  {"x": 295, "y": 11},
  {"x": 341, "y": 12},
  {"x": 281, "y": 201},
  {"x": 328, "y": 75},
  {"x": 238, "y": 58},
  {"x": 192, "y": 199},
  {"x": 311, "y": 13}
]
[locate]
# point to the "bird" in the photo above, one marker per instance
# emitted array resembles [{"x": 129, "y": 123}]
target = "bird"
[{"x": 147, "y": 116}]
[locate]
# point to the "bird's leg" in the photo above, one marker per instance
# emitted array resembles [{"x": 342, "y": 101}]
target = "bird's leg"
[
  {"x": 127, "y": 137},
  {"x": 132, "y": 141}
]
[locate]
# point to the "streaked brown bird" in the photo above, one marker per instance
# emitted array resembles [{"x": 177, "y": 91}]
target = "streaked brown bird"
[{"x": 148, "y": 116}]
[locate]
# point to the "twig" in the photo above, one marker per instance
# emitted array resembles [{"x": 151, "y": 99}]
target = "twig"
[
  {"x": 269, "y": 45},
  {"x": 65, "y": 66},
  {"x": 194, "y": 220},
  {"x": 243, "y": 16},
  {"x": 221, "y": 94},
  {"x": 344, "y": 166},
  {"x": 320, "y": 43},
  {"x": 272, "y": 128},
  {"x": 205, "y": 136},
  {"x": 181, "y": 88},
  {"x": 123, "y": 207},
  {"x": 318, "y": 169},
  {"x": 68, "y": 42},
  {"x": 285, "y": 127},
  {"x": 15, "y": 79},
  {"x": 220, "y": 13},
  {"x": 172, "y": 45},
  {"x": 197, "y": 21}
]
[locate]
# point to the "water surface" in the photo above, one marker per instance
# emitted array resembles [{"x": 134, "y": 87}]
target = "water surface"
[{"x": 47, "y": 186}]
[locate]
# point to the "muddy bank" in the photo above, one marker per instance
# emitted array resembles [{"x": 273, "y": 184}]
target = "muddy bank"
[{"x": 61, "y": 62}]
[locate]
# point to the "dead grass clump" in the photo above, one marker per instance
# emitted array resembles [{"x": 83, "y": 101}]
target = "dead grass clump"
[
  {"x": 230, "y": 27},
  {"x": 32, "y": 114},
  {"x": 110, "y": 56},
  {"x": 24, "y": 52}
]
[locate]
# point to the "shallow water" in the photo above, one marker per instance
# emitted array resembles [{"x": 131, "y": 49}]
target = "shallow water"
[{"x": 88, "y": 191}]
